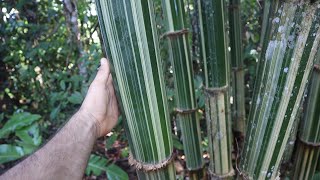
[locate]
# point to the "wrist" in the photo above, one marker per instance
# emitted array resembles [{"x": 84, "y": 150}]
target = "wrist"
[{"x": 88, "y": 120}]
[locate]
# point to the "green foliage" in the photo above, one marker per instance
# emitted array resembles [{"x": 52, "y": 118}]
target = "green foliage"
[
  {"x": 111, "y": 140},
  {"x": 198, "y": 85},
  {"x": 39, "y": 70},
  {"x": 30, "y": 138},
  {"x": 25, "y": 126},
  {"x": 75, "y": 98},
  {"x": 9, "y": 153},
  {"x": 316, "y": 176},
  {"x": 177, "y": 143},
  {"x": 18, "y": 121},
  {"x": 41, "y": 63},
  {"x": 97, "y": 165}
]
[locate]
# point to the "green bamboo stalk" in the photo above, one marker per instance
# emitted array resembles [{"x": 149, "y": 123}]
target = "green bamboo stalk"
[
  {"x": 179, "y": 53},
  {"x": 307, "y": 155},
  {"x": 269, "y": 9},
  {"x": 212, "y": 22},
  {"x": 287, "y": 157},
  {"x": 239, "y": 111},
  {"x": 130, "y": 37},
  {"x": 282, "y": 77},
  {"x": 269, "y": 12}
]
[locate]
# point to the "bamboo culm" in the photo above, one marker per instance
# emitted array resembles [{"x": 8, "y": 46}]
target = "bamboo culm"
[
  {"x": 130, "y": 37},
  {"x": 214, "y": 54},
  {"x": 283, "y": 73}
]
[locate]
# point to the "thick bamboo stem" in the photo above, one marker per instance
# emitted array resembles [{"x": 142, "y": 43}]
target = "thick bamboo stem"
[
  {"x": 308, "y": 151},
  {"x": 284, "y": 71},
  {"x": 179, "y": 53},
  {"x": 238, "y": 93},
  {"x": 214, "y": 54},
  {"x": 130, "y": 36}
]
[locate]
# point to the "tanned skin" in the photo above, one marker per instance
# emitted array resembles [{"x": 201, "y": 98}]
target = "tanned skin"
[{"x": 66, "y": 155}]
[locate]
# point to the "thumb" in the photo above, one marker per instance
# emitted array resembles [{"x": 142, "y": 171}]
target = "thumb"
[{"x": 104, "y": 71}]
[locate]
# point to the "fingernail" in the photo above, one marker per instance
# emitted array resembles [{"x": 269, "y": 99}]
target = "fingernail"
[{"x": 103, "y": 61}]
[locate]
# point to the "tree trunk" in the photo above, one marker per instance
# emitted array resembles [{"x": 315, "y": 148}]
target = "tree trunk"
[{"x": 71, "y": 15}]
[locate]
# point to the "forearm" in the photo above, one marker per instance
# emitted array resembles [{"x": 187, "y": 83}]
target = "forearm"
[{"x": 63, "y": 157}]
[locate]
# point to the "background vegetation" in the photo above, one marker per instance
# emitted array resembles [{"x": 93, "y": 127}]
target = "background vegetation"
[{"x": 47, "y": 64}]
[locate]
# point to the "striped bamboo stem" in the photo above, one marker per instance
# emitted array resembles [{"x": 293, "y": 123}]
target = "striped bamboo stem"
[
  {"x": 287, "y": 157},
  {"x": 214, "y": 54},
  {"x": 268, "y": 12},
  {"x": 239, "y": 111},
  {"x": 308, "y": 150},
  {"x": 130, "y": 36},
  {"x": 179, "y": 53},
  {"x": 284, "y": 70}
]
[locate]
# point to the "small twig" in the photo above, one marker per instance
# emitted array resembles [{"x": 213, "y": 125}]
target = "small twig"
[
  {"x": 237, "y": 168},
  {"x": 259, "y": 4}
]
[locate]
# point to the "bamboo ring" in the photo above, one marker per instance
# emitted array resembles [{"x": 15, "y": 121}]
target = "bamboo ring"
[
  {"x": 316, "y": 145},
  {"x": 236, "y": 69},
  {"x": 175, "y": 33},
  {"x": 215, "y": 91},
  {"x": 234, "y": 7},
  {"x": 146, "y": 167},
  {"x": 185, "y": 111},
  {"x": 316, "y": 67},
  {"x": 216, "y": 176}
]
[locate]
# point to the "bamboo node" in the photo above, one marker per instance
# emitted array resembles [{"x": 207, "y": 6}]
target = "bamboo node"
[
  {"x": 311, "y": 144},
  {"x": 223, "y": 176},
  {"x": 317, "y": 67},
  {"x": 215, "y": 91},
  {"x": 233, "y": 6},
  {"x": 196, "y": 169},
  {"x": 185, "y": 111},
  {"x": 243, "y": 175},
  {"x": 146, "y": 167},
  {"x": 236, "y": 69},
  {"x": 175, "y": 33}
]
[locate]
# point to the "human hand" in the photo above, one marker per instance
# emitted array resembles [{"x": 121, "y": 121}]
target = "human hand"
[{"x": 100, "y": 101}]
